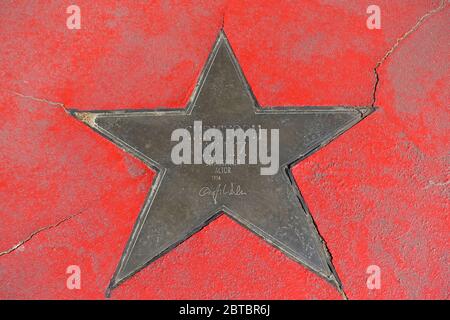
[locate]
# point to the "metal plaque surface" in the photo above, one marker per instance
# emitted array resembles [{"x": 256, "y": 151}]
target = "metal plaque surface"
[{"x": 224, "y": 153}]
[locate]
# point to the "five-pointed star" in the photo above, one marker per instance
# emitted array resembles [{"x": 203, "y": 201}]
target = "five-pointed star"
[{"x": 269, "y": 205}]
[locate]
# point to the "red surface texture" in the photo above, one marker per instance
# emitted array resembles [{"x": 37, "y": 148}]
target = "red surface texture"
[{"x": 378, "y": 194}]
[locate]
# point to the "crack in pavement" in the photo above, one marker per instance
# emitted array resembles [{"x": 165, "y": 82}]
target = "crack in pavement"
[
  {"x": 388, "y": 53},
  {"x": 34, "y": 233},
  {"x": 52, "y": 103}
]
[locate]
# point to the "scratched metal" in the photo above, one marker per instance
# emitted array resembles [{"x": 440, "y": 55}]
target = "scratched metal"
[{"x": 269, "y": 205}]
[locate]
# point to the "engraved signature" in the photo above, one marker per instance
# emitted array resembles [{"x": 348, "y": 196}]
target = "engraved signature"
[{"x": 222, "y": 189}]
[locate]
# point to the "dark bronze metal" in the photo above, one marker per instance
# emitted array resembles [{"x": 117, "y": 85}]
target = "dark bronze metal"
[{"x": 184, "y": 198}]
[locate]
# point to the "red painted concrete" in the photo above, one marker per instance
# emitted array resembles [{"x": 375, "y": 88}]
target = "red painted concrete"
[{"x": 379, "y": 194}]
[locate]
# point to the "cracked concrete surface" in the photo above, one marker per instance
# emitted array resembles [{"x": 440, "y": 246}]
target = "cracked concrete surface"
[
  {"x": 34, "y": 233},
  {"x": 52, "y": 103},
  {"x": 55, "y": 156},
  {"x": 416, "y": 26}
]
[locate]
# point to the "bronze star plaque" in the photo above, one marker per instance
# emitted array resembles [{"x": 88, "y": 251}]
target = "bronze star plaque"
[{"x": 223, "y": 153}]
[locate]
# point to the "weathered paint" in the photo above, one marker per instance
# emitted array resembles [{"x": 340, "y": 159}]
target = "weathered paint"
[{"x": 391, "y": 190}]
